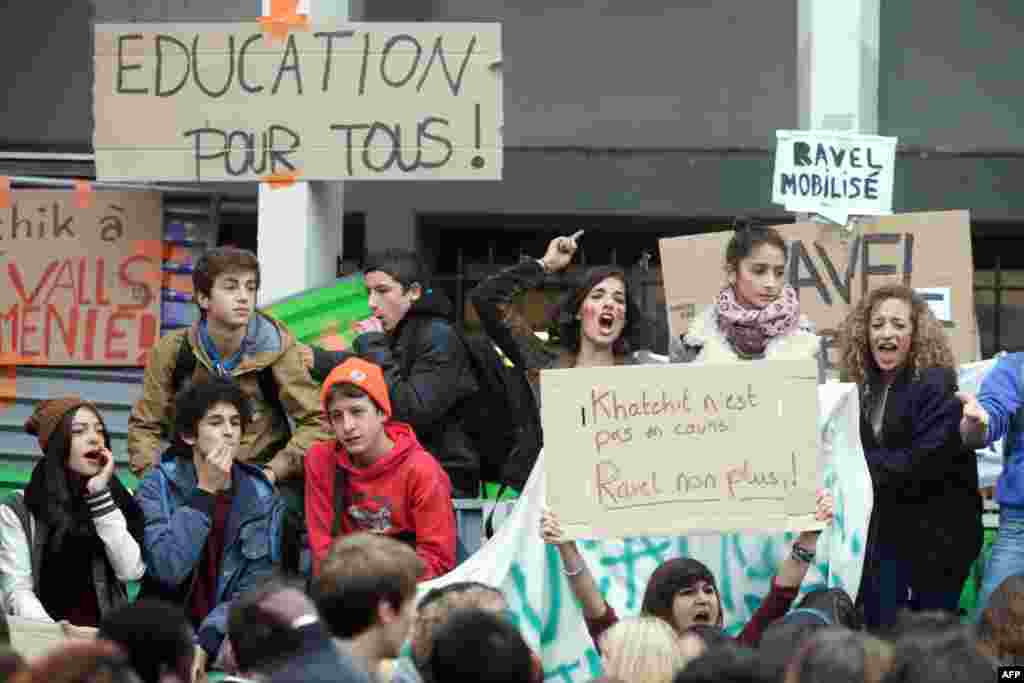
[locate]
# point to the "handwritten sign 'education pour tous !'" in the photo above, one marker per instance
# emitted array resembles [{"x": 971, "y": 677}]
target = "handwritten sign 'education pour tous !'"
[
  {"x": 834, "y": 174},
  {"x": 679, "y": 449},
  {"x": 196, "y": 102}
]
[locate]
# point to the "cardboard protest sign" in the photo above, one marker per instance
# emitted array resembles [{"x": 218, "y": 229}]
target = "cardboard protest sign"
[
  {"x": 832, "y": 268},
  {"x": 32, "y": 638},
  {"x": 80, "y": 285},
  {"x": 531, "y": 575},
  {"x": 660, "y": 449},
  {"x": 191, "y": 102},
  {"x": 834, "y": 174}
]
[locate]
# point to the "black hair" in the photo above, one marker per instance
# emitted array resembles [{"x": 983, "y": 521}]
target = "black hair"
[
  {"x": 403, "y": 265},
  {"x": 54, "y": 492},
  {"x": 197, "y": 398},
  {"x": 834, "y": 603},
  {"x": 934, "y": 654},
  {"x": 781, "y": 641},
  {"x": 156, "y": 636},
  {"x": 710, "y": 634},
  {"x": 726, "y": 662},
  {"x": 638, "y": 331},
  {"x": 749, "y": 237},
  {"x": 474, "y": 644},
  {"x": 670, "y": 578},
  {"x": 929, "y": 623},
  {"x": 261, "y": 639}
]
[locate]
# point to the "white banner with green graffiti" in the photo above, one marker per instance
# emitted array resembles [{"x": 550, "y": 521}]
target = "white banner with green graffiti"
[{"x": 530, "y": 573}]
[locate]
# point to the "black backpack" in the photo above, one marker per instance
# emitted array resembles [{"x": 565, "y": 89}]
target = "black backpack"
[{"x": 502, "y": 419}]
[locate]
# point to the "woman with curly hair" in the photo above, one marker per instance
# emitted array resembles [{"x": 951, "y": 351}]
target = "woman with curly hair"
[{"x": 925, "y": 528}]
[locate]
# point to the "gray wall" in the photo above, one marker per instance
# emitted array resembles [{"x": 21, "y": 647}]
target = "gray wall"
[
  {"x": 643, "y": 73},
  {"x": 950, "y": 73}
]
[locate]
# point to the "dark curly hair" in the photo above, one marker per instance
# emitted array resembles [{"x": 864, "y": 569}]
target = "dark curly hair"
[
  {"x": 928, "y": 349},
  {"x": 195, "y": 400}
]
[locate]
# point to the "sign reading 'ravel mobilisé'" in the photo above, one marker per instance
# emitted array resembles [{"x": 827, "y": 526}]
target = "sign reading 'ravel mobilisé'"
[
  {"x": 834, "y": 174},
  {"x": 193, "y": 102}
]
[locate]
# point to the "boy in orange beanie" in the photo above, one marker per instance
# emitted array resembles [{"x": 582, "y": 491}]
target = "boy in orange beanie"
[{"x": 374, "y": 475}]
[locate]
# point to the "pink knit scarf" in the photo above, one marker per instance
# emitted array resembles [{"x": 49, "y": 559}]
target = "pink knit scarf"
[{"x": 750, "y": 329}]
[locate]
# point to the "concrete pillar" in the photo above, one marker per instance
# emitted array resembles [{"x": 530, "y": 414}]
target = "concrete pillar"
[
  {"x": 300, "y": 226},
  {"x": 837, "y": 65}
]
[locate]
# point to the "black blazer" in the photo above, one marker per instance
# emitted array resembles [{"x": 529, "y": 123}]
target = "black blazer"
[{"x": 927, "y": 505}]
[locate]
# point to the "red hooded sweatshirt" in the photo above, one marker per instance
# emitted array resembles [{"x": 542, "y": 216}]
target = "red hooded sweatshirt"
[{"x": 404, "y": 493}]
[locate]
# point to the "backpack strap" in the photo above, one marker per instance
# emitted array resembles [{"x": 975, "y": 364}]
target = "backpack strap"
[
  {"x": 271, "y": 393},
  {"x": 340, "y": 498},
  {"x": 184, "y": 365}
]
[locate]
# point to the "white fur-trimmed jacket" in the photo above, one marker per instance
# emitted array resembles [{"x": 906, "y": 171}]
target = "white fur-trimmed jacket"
[
  {"x": 21, "y": 553},
  {"x": 704, "y": 341}
]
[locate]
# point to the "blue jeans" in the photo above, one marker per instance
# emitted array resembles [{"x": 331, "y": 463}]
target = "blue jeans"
[
  {"x": 890, "y": 590},
  {"x": 1007, "y": 556}
]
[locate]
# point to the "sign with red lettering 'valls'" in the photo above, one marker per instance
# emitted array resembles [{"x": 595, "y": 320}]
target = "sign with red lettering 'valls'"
[{"x": 80, "y": 286}]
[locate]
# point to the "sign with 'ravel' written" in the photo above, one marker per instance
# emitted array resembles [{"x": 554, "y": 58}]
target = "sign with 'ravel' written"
[
  {"x": 193, "y": 102},
  {"x": 833, "y": 269},
  {"x": 79, "y": 286},
  {"x": 834, "y": 174},
  {"x": 665, "y": 449}
]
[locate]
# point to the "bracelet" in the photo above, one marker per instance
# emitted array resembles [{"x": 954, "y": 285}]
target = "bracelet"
[
  {"x": 575, "y": 572},
  {"x": 801, "y": 554}
]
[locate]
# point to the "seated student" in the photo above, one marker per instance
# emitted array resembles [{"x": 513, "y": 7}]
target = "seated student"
[
  {"x": 478, "y": 645},
  {"x": 156, "y": 636},
  {"x": 375, "y": 476},
  {"x": 427, "y": 368},
  {"x": 213, "y": 524},
  {"x": 71, "y": 541},
  {"x": 274, "y": 625},
  {"x": 366, "y": 594},
  {"x": 234, "y": 340},
  {"x": 433, "y": 610}
]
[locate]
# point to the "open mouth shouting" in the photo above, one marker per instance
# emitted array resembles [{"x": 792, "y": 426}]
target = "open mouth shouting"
[
  {"x": 606, "y": 323},
  {"x": 702, "y": 616}
]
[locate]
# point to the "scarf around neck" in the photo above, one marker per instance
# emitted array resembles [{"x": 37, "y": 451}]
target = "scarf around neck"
[
  {"x": 224, "y": 367},
  {"x": 750, "y": 329}
]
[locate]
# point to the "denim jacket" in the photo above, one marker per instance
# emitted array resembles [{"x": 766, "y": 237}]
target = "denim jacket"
[
  {"x": 1002, "y": 396},
  {"x": 178, "y": 521}
]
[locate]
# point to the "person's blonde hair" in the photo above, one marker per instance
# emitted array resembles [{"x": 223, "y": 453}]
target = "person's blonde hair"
[
  {"x": 642, "y": 650},
  {"x": 929, "y": 347}
]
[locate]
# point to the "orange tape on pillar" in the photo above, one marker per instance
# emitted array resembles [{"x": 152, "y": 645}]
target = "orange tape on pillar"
[
  {"x": 5, "y": 192},
  {"x": 284, "y": 17}
]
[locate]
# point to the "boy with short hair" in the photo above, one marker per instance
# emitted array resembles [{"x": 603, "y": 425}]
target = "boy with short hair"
[
  {"x": 212, "y": 523},
  {"x": 366, "y": 594},
  {"x": 427, "y": 367},
  {"x": 374, "y": 475},
  {"x": 232, "y": 340}
]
